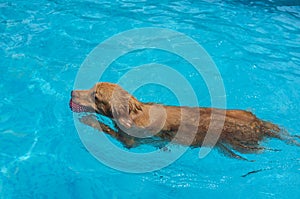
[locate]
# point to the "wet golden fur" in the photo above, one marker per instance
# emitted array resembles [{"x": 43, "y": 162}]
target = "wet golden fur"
[{"x": 137, "y": 122}]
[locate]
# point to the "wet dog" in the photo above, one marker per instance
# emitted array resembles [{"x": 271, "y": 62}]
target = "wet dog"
[{"x": 136, "y": 123}]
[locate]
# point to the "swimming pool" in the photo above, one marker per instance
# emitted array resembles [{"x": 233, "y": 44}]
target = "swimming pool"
[{"x": 255, "y": 46}]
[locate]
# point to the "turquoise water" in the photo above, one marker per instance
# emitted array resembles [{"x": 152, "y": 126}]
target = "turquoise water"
[{"x": 255, "y": 45}]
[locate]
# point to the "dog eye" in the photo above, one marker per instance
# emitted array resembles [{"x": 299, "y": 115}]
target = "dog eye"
[
  {"x": 93, "y": 94},
  {"x": 96, "y": 97}
]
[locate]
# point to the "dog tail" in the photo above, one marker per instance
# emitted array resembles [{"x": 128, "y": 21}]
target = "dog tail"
[
  {"x": 248, "y": 140},
  {"x": 274, "y": 131}
]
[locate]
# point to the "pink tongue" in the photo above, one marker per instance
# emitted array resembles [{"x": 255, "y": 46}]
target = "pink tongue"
[{"x": 76, "y": 107}]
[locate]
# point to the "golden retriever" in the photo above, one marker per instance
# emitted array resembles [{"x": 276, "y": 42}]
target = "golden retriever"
[{"x": 137, "y": 123}]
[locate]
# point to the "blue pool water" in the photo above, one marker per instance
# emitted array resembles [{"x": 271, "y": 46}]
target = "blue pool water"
[{"x": 255, "y": 45}]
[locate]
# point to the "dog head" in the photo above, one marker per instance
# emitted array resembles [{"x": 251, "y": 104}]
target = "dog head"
[{"x": 107, "y": 99}]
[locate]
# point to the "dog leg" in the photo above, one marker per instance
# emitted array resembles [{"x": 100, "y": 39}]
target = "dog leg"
[
  {"x": 230, "y": 153},
  {"x": 126, "y": 140}
]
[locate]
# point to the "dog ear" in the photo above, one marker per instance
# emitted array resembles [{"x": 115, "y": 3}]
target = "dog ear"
[{"x": 122, "y": 104}]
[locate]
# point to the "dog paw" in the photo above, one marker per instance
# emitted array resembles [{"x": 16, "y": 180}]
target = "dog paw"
[{"x": 90, "y": 120}]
